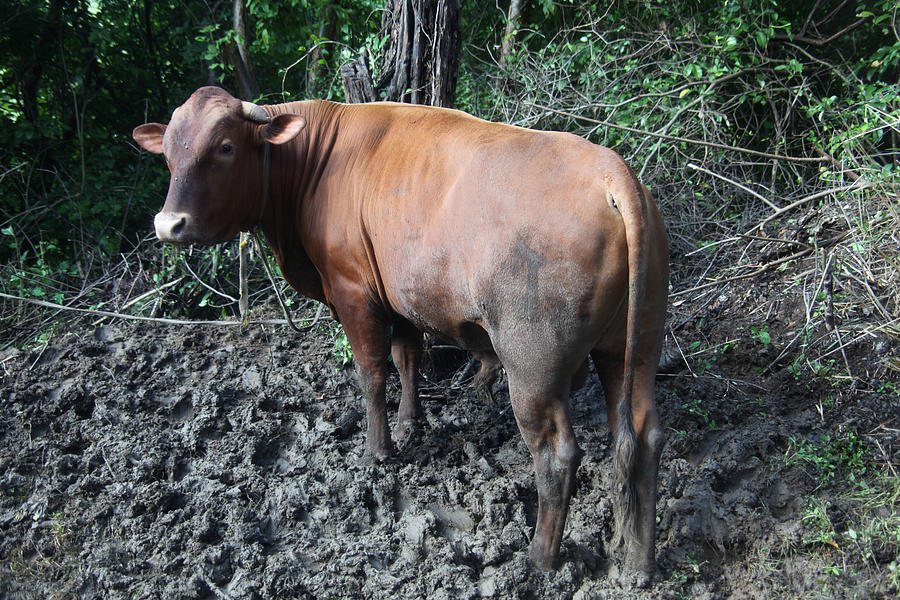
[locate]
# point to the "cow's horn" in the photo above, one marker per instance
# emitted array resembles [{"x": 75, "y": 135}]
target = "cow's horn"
[{"x": 254, "y": 112}]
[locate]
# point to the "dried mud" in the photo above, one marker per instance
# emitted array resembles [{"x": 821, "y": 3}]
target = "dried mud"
[{"x": 152, "y": 461}]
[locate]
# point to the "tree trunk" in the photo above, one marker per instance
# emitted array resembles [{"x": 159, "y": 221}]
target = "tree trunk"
[
  {"x": 513, "y": 18},
  {"x": 239, "y": 57},
  {"x": 318, "y": 60},
  {"x": 357, "y": 80},
  {"x": 421, "y": 56}
]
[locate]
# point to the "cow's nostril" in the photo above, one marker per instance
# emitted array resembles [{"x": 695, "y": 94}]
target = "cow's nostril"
[{"x": 171, "y": 227}]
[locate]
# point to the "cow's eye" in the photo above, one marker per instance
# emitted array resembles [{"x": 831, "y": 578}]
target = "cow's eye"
[{"x": 227, "y": 149}]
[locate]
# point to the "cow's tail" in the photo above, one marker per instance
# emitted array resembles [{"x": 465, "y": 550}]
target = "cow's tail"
[{"x": 631, "y": 200}]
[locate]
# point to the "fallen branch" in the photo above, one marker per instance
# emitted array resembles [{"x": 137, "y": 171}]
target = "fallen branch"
[
  {"x": 753, "y": 273},
  {"x": 673, "y": 138},
  {"x": 859, "y": 185},
  {"x": 115, "y": 315}
]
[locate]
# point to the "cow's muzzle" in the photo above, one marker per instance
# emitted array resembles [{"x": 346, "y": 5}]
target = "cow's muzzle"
[{"x": 170, "y": 227}]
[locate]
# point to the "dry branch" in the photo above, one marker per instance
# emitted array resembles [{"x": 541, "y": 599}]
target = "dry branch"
[
  {"x": 845, "y": 188},
  {"x": 115, "y": 315},
  {"x": 673, "y": 138},
  {"x": 736, "y": 184}
]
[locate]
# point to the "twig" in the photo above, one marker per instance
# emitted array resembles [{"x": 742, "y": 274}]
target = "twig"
[
  {"x": 243, "y": 265},
  {"x": 287, "y": 315},
  {"x": 158, "y": 290},
  {"x": 887, "y": 458},
  {"x": 861, "y": 280},
  {"x": 820, "y": 42},
  {"x": 865, "y": 333},
  {"x": 691, "y": 316},
  {"x": 41, "y": 353},
  {"x": 712, "y": 245},
  {"x": 810, "y": 198},
  {"x": 108, "y": 466},
  {"x": 809, "y": 310},
  {"x": 753, "y": 273},
  {"x": 11, "y": 169},
  {"x": 114, "y": 315},
  {"x": 763, "y": 238},
  {"x": 850, "y": 172},
  {"x": 736, "y": 184},
  {"x": 681, "y": 139},
  {"x": 683, "y": 357},
  {"x": 207, "y": 286}
]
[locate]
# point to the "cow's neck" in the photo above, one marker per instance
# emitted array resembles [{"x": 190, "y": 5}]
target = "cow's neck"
[{"x": 296, "y": 173}]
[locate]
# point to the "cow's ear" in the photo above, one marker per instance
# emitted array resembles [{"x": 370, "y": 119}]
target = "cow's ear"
[
  {"x": 150, "y": 136},
  {"x": 281, "y": 129}
]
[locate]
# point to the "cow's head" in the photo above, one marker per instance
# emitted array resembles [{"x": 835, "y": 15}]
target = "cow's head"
[{"x": 213, "y": 146}]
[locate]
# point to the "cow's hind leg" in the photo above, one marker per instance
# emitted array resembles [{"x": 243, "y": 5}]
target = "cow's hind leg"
[
  {"x": 487, "y": 374},
  {"x": 635, "y": 504},
  {"x": 542, "y": 412},
  {"x": 406, "y": 350}
]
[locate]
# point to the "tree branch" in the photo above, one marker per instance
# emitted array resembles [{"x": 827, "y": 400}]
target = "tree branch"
[{"x": 821, "y": 42}]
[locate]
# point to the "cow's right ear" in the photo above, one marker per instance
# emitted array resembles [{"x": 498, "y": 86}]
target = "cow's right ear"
[
  {"x": 281, "y": 129},
  {"x": 150, "y": 136}
]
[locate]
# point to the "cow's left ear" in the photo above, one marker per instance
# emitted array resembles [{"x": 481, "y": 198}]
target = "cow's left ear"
[
  {"x": 150, "y": 136},
  {"x": 281, "y": 129}
]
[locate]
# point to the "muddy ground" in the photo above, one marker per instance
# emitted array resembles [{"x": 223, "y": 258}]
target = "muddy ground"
[{"x": 141, "y": 460}]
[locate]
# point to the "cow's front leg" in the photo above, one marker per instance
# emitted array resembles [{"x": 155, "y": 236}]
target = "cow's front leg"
[{"x": 370, "y": 342}]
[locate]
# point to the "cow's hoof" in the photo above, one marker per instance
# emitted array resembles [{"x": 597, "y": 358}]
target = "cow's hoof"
[
  {"x": 541, "y": 560},
  {"x": 629, "y": 578},
  {"x": 406, "y": 431},
  {"x": 484, "y": 393},
  {"x": 641, "y": 579},
  {"x": 377, "y": 457}
]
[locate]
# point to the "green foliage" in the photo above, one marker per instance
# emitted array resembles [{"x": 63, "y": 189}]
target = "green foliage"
[
  {"x": 703, "y": 357},
  {"x": 842, "y": 458},
  {"x": 694, "y": 406},
  {"x": 762, "y": 336},
  {"x": 342, "y": 350},
  {"x": 856, "y": 520}
]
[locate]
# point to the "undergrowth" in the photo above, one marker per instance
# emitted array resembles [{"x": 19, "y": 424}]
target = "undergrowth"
[{"x": 851, "y": 521}]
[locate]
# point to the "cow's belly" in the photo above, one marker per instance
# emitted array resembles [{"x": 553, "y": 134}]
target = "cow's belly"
[
  {"x": 515, "y": 291},
  {"x": 438, "y": 305}
]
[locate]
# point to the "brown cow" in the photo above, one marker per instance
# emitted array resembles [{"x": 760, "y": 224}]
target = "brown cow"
[{"x": 533, "y": 248}]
